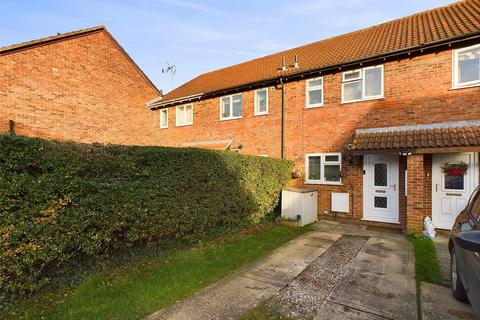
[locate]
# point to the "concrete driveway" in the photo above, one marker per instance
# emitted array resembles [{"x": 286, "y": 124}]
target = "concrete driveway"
[{"x": 338, "y": 271}]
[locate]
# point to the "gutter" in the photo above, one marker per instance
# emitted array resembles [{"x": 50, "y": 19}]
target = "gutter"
[
  {"x": 157, "y": 102},
  {"x": 392, "y": 55}
]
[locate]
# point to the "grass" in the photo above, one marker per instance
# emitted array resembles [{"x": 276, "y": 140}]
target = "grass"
[
  {"x": 136, "y": 289},
  {"x": 427, "y": 265},
  {"x": 264, "y": 311}
]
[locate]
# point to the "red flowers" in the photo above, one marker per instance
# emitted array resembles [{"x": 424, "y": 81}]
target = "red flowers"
[
  {"x": 456, "y": 172},
  {"x": 455, "y": 169}
]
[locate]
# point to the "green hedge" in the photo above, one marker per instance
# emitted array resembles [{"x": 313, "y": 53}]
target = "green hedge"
[{"x": 61, "y": 203}]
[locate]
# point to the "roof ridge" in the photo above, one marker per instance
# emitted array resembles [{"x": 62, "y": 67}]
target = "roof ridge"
[
  {"x": 429, "y": 29},
  {"x": 58, "y": 36},
  {"x": 340, "y": 35}
]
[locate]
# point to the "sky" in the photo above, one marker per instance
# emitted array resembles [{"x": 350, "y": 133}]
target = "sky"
[{"x": 203, "y": 35}]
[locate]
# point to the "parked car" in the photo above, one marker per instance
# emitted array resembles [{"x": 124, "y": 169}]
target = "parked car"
[{"x": 464, "y": 245}]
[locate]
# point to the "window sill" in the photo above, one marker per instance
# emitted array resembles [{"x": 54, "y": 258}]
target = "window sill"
[
  {"x": 362, "y": 100},
  {"x": 474, "y": 85},
  {"x": 184, "y": 125},
  {"x": 228, "y": 119},
  {"x": 163, "y": 128},
  {"x": 323, "y": 183},
  {"x": 313, "y": 106},
  {"x": 261, "y": 114}
]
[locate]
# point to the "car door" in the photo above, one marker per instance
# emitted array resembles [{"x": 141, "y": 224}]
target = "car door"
[{"x": 472, "y": 259}]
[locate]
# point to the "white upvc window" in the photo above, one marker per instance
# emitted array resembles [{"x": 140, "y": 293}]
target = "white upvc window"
[
  {"x": 261, "y": 102},
  {"x": 466, "y": 67},
  {"x": 231, "y": 107},
  {"x": 362, "y": 84},
  {"x": 184, "y": 115},
  {"x": 323, "y": 168},
  {"x": 163, "y": 118},
  {"x": 314, "y": 93}
]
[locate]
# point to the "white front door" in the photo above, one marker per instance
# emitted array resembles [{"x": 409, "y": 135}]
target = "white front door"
[
  {"x": 450, "y": 193},
  {"x": 380, "y": 188}
]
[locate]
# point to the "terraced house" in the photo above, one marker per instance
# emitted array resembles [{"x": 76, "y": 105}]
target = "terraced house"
[{"x": 389, "y": 115}]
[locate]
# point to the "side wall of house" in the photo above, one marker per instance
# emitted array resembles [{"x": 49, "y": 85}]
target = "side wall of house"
[{"x": 82, "y": 89}]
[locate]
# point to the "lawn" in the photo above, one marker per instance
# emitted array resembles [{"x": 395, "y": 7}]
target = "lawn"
[
  {"x": 139, "y": 288},
  {"x": 427, "y": 265},
  {"x": 264, "y": 311}
]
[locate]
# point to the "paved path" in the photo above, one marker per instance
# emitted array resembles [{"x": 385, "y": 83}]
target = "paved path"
[
  {"x": 441, "y": 244},
  {"x": 438, "y": 303},
  {"x": 379, "y": 283},
  {"x": 438, "y": 300},
  {"x": 241, "y": 291}
]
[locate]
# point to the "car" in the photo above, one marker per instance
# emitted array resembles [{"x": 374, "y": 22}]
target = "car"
[{"x": 464, "y": 247}]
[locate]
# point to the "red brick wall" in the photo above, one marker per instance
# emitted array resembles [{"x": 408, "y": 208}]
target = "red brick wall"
[
  {"x": 417, "y": 91},
  {"x": 259, "y": 135},
  {"x": 83, "y": 89},
  {"x": 416, "y": 190}
]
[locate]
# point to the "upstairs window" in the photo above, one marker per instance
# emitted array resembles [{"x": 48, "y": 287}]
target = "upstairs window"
[
  {"x": 362, "y": 84},
  {"x": 261, "y": 101},
  {"x": 231, "y": 107},
  {"x": 314, "y": 96},
  {"x": 323, "y": 168},
  {"x": 466, "y": 67},
  {"x": 163, "y": 118},
  {"x": 184, "y": 115}
]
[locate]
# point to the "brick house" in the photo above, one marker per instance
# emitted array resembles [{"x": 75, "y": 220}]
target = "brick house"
[
  {"x": 79, "y": 86},
  {"x": 374, "y": 113}
]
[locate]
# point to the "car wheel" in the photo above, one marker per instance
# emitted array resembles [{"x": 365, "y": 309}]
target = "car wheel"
[{"x": 458, "y": 291}]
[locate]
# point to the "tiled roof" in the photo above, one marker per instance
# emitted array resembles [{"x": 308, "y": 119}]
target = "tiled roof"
[
  {"x": 461, "y": 19},
  {"x": 429, "y": 136}
]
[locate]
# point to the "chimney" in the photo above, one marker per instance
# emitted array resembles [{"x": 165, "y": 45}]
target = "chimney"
[{"x": 284, "y": 66}]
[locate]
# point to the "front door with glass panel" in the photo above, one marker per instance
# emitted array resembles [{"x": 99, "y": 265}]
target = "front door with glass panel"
[
  {"x": 451, "y": 190},
  {"x": 380, "y": 188}
]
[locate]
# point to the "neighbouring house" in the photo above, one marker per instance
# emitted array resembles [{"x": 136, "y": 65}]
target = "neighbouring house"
[
  {"x": 388, "y": 115},
  {"x": 79, "y": 86}
]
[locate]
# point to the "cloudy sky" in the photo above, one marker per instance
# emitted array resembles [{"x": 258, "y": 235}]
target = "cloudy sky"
[{"x": 203, "y": 35}]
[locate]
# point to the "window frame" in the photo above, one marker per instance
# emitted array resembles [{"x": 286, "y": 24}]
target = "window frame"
[
  {"x": 322, "y": 156},
  {"x": 307, "y": 91},
  {"x": 231, "y": 117},
  {"x": 256, "y": 111},
  {"x": 363, "y": 83},
  {"x": 177, "y": 124},
  {"x": 161, "y": 112},
  {"x": 456, "y": 69}
]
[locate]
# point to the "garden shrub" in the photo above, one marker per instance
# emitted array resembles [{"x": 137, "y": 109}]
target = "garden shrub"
[{"x": 61, "y": 202}]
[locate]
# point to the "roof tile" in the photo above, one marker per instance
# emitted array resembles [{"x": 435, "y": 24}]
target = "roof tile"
[
  {"x": 458, "y": 19},
  {"x": 465, "y": 136}
]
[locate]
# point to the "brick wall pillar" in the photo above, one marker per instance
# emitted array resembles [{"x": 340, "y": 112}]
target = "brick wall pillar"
[{"x": 416, "y": 193}]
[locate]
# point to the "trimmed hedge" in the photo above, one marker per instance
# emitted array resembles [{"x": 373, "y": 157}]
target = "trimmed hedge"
[{"x": 61, "y": 203}]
